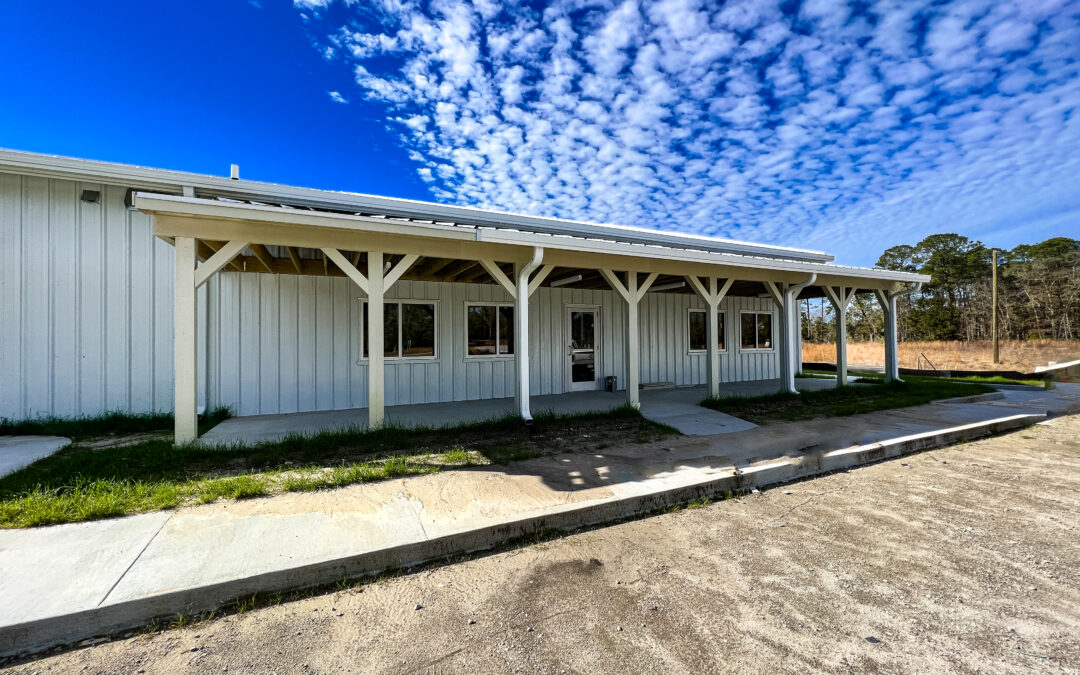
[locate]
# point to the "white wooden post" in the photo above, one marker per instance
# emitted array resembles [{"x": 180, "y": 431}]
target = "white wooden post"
[
  {"x": 633, "y": 343},
  {"x": 376, "y": 348},
  {"x": 712, "y": 295},
  {"x": 185, "y": 343},
  {"x": 521, "y": 289},
  {"x": 840, "y": 297},
  {"x": 632, "y": 292}
]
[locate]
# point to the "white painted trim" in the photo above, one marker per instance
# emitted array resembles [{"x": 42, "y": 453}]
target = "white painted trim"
[
  {"x": 401, "y": 357},
  {"x": 487, "y": 357},
  {"x": 598, "y": 342},
  {"x": 772, "y": 326},
  {"x": 723, "y": 329}
]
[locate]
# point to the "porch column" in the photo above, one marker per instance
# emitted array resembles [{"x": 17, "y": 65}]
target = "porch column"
[
  {"x": 632, "y": 292},
  {"x": 185, "y": 344},
  {"x": 712, "y": 295},
  {"x": 376, "y": 348},
  {"x": 374, "y": 285},
  {"x": 892, "y": 347},
  {"x": 521, "y": 288},
  {"x": 840, "y": 296}
]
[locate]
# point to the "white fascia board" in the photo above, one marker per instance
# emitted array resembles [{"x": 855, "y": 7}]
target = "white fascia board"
[
  {"x": 195, "y": 206},
  {"x": 174, "y": 182}
]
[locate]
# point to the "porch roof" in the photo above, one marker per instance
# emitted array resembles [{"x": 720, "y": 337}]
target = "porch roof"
[{"x": 222, "y": 219}]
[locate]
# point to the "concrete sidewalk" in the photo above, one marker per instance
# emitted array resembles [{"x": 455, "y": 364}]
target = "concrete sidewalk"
[{"x": 68, "y": 582}]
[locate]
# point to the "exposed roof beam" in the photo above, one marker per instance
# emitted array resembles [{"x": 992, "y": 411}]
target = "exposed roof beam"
[
  {"x": 295, "y": 258},
  {"x": 263, "y": 257}
]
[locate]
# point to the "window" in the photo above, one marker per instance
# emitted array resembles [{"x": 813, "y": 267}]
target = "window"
[
  {"x": 408, "y": 330},
  {"x": 490, "y": 330},
  {"x": 698, "y": 339},
  {"x": 756, "y": 330}
]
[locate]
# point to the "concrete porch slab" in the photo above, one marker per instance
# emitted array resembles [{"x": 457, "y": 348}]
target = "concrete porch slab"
[
  {"x": 677, "y": 407},
  {"x": 19, "y": 451}
]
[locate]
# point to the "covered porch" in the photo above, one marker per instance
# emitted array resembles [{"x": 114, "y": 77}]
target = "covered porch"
[{"x": 514, "y": 257}]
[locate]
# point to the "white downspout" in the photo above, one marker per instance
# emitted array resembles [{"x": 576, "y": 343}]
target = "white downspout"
[
  {"x": 892, "y": 368},
  {"x": 793, "y": 331}
]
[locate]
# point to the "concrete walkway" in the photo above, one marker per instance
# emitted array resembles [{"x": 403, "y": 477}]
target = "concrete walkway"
[
  {"x": 19, "y": 451},
  {"x": 677, "y": 407},
  {"x": 68, "y": 582}
]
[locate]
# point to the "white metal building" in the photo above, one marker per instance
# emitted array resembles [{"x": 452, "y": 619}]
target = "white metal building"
[{"x": 114, "y": 278}]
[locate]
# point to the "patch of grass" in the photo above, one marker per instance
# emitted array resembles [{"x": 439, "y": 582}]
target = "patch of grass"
[
  {"x": 85, "y": 483},
  {"x": 457, "y": 456},
  {"x": 181, "y": 621},
  {"x": 104, "y": 425},
  {"x": 842, "y": 401},
  {"x": 998, "y": 379}
]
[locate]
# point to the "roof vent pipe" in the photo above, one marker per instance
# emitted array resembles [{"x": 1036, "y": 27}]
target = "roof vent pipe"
[{"x": 234, "y": 171}]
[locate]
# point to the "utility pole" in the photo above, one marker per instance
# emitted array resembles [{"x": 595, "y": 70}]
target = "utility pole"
[{"x": 993, "y": 309}]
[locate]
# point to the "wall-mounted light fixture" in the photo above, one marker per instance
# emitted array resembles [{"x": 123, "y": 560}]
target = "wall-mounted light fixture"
[{"x": 90, "y": 196}]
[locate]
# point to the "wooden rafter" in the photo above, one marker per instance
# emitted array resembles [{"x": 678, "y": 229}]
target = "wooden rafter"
[
  {"x": 455, "y": 270},
  {"x": 435, "y": 266},
  {"x": 263, "y": 256},
  {"x": 294, "y": 257}
]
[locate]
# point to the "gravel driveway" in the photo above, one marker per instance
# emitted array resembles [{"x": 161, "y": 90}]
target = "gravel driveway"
[{"x": 965, "y": 559}]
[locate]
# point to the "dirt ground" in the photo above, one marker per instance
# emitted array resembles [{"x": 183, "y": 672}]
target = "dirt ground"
[
  {"x": 1021, "y": 355},
  {"x": 965, "y": 559}
]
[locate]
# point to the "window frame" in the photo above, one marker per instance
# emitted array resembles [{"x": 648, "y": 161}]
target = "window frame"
[
  {"x": 723, "y": 330},
  {"x": 772, "y": 329},
  {"x": 401, "y": 356},
  {"x": 465, "y": 313}
]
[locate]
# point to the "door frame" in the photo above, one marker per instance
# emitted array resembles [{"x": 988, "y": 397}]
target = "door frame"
[{"x": 568, "y": 381}]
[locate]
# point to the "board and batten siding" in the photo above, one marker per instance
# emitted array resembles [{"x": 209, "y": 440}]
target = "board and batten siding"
[{"x": 86, "y": 325}]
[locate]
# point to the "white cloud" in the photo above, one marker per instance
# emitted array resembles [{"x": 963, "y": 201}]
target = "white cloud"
[
  {"x": 336, "y": 97},
  {"x": 847, "y": 129}
]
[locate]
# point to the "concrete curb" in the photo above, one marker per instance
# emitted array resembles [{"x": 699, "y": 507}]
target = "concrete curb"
[{"x": 42, "y": 634}]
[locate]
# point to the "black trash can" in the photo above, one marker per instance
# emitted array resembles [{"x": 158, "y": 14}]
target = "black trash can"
[{"x": 610, "y": 383}]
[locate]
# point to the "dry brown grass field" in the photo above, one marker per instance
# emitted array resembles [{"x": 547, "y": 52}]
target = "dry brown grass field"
[{"x": 1022, "y": 355}]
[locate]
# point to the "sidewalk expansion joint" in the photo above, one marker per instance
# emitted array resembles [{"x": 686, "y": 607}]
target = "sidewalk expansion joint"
[{"x": 141, "y": 551}]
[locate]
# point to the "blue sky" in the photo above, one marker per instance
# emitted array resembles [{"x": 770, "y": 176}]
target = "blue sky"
[{"x": 849, "y": 127}]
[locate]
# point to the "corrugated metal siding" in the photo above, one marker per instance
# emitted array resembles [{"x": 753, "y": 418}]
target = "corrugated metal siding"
[
  {"x": 85, "y": 301},
  {"x": 86, "y": 307}
]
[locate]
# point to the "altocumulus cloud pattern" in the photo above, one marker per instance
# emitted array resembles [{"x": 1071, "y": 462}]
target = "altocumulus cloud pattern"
[{"x": 847, "y": 126}]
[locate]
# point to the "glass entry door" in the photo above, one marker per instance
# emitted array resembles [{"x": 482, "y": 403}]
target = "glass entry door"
[{"x": 582, "y": 349}]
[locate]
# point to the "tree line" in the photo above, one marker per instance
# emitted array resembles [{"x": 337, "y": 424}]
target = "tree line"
[{"x": 1038, "y": 293}]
